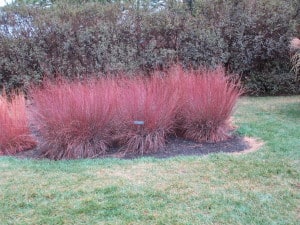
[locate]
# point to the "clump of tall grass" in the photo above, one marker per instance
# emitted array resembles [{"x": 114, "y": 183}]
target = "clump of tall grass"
[
  {"x": 208, "y": 99},
  {"x": 147, "y": 111},
  {"x": 295, "y": 47},
  {"x": 74, "y": 118},
  {"x": 15, "y": 135},
  {"x": 84, "y": 119}
]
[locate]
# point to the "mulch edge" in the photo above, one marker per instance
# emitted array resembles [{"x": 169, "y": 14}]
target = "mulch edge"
[{"x": 236, "y": 145}]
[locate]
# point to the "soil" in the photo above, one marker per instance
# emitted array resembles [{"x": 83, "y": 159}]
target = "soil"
[{"x": 178, "y": 147}]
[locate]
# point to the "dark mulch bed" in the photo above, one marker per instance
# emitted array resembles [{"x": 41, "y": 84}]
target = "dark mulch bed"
[{"x": 174, "y": 147}]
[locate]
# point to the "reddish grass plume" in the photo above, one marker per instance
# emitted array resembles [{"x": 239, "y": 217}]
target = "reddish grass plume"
[
  {"x": 83, "y": 119},
  {"x": 208, "y": 99},
  {"x": 147, "y": 110},
  {"x": 74, "y": 118},
  {"x": 15, "y": 135}
]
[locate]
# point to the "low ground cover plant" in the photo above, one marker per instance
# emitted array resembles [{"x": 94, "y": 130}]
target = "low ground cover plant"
[{"x": 15, "y": 135}]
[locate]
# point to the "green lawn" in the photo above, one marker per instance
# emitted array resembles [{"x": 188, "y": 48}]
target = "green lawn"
[{"x": 257, "y": 188}]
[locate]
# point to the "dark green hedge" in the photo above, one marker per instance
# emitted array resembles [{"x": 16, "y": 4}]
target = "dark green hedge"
[{"x": 250, "y": 38}]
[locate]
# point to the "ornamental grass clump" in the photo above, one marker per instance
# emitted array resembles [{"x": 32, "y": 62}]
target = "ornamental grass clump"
[
  {"x": 74, "y": 118},
  {"x": 208, "y": 99},
  {"x": 147, "y": 111},
  {"x": 295, "y": 47},
  {"x": 136, "y": 115},
  {"x": 15, "y": 135}
]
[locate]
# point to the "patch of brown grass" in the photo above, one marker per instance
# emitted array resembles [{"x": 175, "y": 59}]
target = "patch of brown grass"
[{"x": 254, "y": 145}]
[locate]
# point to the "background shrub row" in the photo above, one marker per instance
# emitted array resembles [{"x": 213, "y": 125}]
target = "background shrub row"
[{"x": 78, "y": 39}]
